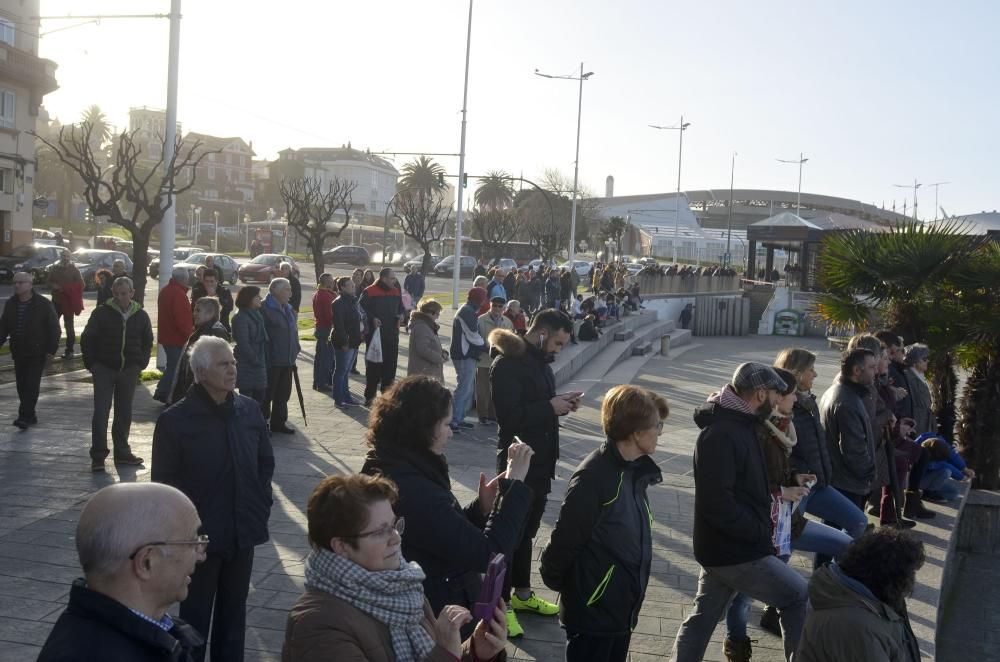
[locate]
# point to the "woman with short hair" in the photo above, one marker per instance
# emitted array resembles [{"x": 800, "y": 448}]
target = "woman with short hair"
[
  {"x": 600, "y": 552},
  {"x": 206, "y": 323},
  {"x": 916, "y": 357},
  {"x": 363, "y": 600},
  {"x": 427, "y": 357},
  {"x": 250, "y": 335}
]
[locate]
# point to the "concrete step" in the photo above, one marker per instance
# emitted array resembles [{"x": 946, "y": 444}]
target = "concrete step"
[
  {"x": 622, "y": 336},
  {"x": 574, "y": 358},
  {"x": 642, "y": 349}
]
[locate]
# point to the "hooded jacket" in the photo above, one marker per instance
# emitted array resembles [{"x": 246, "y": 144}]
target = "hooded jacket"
[
  {"x": 600, "y": 552},
  {"x": 732, "y": 501},
  {"x": 452, "y": 544},
  {"x": 426, "y": 356},
  {"x": 522, "y": 384},
  {"x": 847, "y": 622},
  {"x": 849, "y": 436},
  {"x": 117, "y": 340}
]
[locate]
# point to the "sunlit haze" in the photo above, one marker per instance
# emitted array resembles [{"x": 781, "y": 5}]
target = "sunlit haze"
[{"x": 874, "y": 94}]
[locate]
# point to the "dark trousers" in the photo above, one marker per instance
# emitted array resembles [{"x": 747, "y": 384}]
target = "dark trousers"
[
  {"x": 115, "y": 387},
  {"x": 28, "y": 374},
  {"x": 67, "y": 318},
  {"x": 380, "y": 376},
  {"x": 582, "y": 647},
  {"x": 520, "y": 567},
  {"x": 217, "y": 596},
  {"x": 279, "y": 389}
]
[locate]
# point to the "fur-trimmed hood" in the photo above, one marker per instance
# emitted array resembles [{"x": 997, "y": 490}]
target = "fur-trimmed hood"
[
  {"x": 507, "y": 343},
  {"x": 417, "y": 316}
]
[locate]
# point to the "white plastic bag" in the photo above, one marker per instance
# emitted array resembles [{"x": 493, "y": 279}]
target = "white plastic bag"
[
  {"x": 374, "y": 353},
  {"x": 407, "y": 301},
  {"x": 783, "y": 528}
]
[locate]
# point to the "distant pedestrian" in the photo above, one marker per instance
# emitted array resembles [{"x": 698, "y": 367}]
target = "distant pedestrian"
[
  {"x": 495, "y": 288},
  {"x": 285, "y": 269},
  {"x": 252, "y": 346},
  {"x": 67, "y": 296},
  {"x": 467, "y": 345},
  {"x": 103, "y": 280},
  {"x": 283, "y": 336},
  {"x": 494, "y": 319},
  {"x": 116, "y": 345},
  {"x": 210, "y": 265},
  {"x": 214, "y": 446},
  {"x": 427, "y": 357},
  {"x": 211, "y": 286},
  {"x": 29, "y": 321},
  {"x": 174, "y": 326},
  {"x": 206, "y": 323},
  {"x": 322, "y": 304},
  {"x": 138, "y": 543},
  {"x": 686, "y": 314},
  {"x": 383, "y": 306},
  {"x": 345, "y": 338},
  {"x": 414, "y": 284}
]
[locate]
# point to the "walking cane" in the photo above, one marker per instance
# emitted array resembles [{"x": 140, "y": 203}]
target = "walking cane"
[{"x": 298, "y": 391}]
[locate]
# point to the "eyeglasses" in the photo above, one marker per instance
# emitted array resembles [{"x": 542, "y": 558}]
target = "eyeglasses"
[
  {"x": 398, "y": 525},
  {"x": 201, "y": 543}
]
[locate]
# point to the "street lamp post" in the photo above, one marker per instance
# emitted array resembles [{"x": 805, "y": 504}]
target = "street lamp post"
[
  {"x": 680, "y": 128},
  {"x": 798, "y": 197},
  {"x": 915, "y": 185},
  {"x": 456, "y": 275},
  {"x": 729, "y": 225},
  {"x": 215, "y": 243},
  {"x": 576, "y": 162},
  {"x": 936, "y": 186}
]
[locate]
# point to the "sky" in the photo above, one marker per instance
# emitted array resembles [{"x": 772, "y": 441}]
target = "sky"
[{"x": 873, "y": 93}]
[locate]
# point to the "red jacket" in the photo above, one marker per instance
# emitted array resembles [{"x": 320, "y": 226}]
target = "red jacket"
[
  {"x": 175, "y": 322},
  {"x": 323, "y": 308}
]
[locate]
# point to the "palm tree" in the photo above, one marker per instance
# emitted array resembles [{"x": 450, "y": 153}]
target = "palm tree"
[
  {"x": 422, "y": 173},
  {"x": 495, "y": 191},
  {"x": 101, "y": 131}
]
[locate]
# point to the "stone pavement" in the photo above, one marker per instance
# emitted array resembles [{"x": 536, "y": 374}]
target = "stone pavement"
[{"x": 45, "y": 479}]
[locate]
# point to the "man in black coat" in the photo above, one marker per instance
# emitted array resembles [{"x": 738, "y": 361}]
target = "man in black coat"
[
  {"x": 138, "y": 543},
  {"x": 116, "y": 344},
  {"x": 30, "y": 322},
  {"x": 383, "y": 305},
  {"x": 527, "y": 406},
  {"x": 214, "y": 446}
]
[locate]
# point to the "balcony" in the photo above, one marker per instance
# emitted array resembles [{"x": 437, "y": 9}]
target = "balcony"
[{"x": 35, "y": 73}]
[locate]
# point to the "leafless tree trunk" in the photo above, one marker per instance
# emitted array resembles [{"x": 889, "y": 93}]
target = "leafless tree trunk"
[
  {"x": 310, "y": 207},
  {"x": 423, "y": 217}
]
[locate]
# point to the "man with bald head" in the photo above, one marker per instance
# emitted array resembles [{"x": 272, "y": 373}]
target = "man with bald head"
[{"x": 138, "y": 544}]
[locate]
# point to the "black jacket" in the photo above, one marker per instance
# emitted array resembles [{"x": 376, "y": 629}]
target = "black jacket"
[
  {"x": 382, "y": 303},
  {"x": 453, "y": 545},
  {"x": 296, "y": 299},
  {"x": 97, "y": 628},
  {"x": 522, "y": 384},
  {"x": 897, "y": 375},
  {"x": 346, "y": 322},
  {"x": 224, "y": 296},
  {"x": 220, "y": 456},
  {"x": 40, "y": 334},
  {"x": 811, "y": 453},
  {"x": 732, "y": 504},
  {"x": 601, "y": 550},
  {"x": 849, "y": 436},
  {"x": 114, "y": 342},
  {"x": 184, "y": 377}
]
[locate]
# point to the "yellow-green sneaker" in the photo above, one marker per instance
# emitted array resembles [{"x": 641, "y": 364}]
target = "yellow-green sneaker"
[
  {"x": 514, "y": 628},
  {"x": 534, "y": 604}
]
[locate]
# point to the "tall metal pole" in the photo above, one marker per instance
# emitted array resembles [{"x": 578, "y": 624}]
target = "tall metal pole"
[
  {"x": 576, "y": 175},
  {"x": 168, "y": 226},
  {"x": 729, "y": 225},
  {"x": 677, "y": 200},
  {"x": 798, "y": 196},
  {"x": 457, "y": 273}
]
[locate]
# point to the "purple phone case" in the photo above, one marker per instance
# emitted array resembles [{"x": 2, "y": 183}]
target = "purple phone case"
[{"x": 489, "y": 595}]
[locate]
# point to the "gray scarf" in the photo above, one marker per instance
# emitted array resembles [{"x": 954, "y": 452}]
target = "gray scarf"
[{"x": 394, "y": 597}]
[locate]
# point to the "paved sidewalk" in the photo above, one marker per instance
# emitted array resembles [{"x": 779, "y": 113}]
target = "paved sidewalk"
[{"x": 45, "y": 479}]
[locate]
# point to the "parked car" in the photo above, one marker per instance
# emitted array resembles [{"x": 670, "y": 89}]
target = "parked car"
[
  {"x": 647, "y": 261},
  {"x": 229, "y": 267},
  {"x": 181, "y": 253},
  {"x": 356, "y": 255},
  {"x": 582, "y": 267},
  {"x": 505, "y": 263},
  {"x": 90, "y": 260},
  {"x": 264, "y": 267},
  {"x": 446, "y": 267},
  {"x": 535, "y": 264},
  {"x": 44, "y": 237},
  {"x": 418, "y": 262},
  {"x": 33, "y": 258}
]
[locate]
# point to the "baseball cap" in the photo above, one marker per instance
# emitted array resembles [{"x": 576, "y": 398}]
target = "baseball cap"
[{"x": 754, "y": 376}]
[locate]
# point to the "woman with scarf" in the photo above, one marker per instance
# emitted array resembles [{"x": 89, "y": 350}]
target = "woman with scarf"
[
  {"x": 777, "y": 438},
  {"x": 408, "y": 432},
  {"x": 363, "y": 600},
  {"x": 206, "y": 323},
  {"x": 250, "y": 335},
  {"x": 427, "y": 357}
]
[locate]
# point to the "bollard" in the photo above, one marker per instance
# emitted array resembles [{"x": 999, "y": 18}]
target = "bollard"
[{"x": 664, "y": 345}]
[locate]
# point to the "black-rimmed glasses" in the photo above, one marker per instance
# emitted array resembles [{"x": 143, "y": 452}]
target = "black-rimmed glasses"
[
  {"x": 201, "y": 543},
  {"x": 398, "y": 525}
]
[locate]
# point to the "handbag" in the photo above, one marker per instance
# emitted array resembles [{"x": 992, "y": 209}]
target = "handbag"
[{"x": 374, "y": 353}]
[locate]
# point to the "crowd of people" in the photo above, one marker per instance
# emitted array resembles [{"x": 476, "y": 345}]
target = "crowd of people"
[{"x": 397, "y": 563}]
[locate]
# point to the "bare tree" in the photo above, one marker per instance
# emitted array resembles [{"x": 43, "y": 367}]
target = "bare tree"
[
  {"x": 423, "y": 217},
  {"x": 310, "y": 207},
  {"x": 496, "y": 227},
  {"x": 545, "y": 221},
  {"x": 131, "y": 192}
]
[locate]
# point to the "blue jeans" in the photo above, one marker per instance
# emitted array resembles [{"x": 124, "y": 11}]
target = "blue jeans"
[
  {"x": 767, "y": 579},
  {"x": 344, "y": 359},
  {"x": 826, "y": 502},
  {"x": 815, "y": 537},
  {"x": 940, "y": 481},
  {"x": 323, "y": 362},
  {"x": 466, "y": 371},
  {"x": 167, "y": 380}
]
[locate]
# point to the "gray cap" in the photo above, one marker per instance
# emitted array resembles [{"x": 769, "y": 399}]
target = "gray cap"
[{"x": 754, "y": 376}]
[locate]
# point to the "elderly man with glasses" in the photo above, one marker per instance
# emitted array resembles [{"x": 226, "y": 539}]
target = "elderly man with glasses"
[
  {"x": 138, "y": 544},
  {"x": 214, "y": 446},
  {"x": 29, "y": 321}
]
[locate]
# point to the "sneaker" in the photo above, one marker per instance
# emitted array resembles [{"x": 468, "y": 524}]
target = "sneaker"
[
  {"x": 128, "y": 460},
  {"x": 769, "y": 621},
  {"x": 97, "y": 466},
  {"x": 534, "y": 604},
  {"x": 514, "y": 628},
  {"x": 466, "y": 426}
]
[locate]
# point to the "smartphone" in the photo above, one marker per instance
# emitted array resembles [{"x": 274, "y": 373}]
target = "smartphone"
[{"x": 489, "y": 594}]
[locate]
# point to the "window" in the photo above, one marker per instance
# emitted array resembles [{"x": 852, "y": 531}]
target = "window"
[
  {"x": 7, "y": 103},
  {"x": 210, "y": 173},
  {"x": 6, "y": 180},
  {"x": 229, "y": 159},
  {"x": 6, "y": 31}
]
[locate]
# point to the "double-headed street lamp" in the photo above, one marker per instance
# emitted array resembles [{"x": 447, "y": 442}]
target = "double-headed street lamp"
[
  {"x": 729, "y": 225},
  {"x": 915, "y": 185},
  {"x": 681, "y": 127},
  {"x": 576, "y": 162},
  {"x": 798, "y": 198}
]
